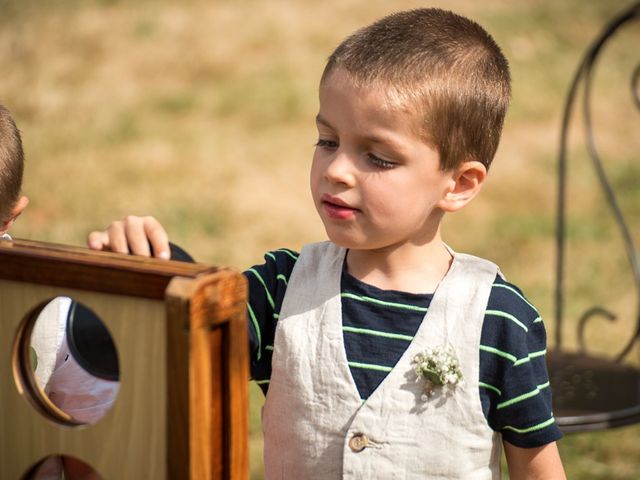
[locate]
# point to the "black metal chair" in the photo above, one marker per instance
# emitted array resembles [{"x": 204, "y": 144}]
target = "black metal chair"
[{"x": 592, "y": 392}]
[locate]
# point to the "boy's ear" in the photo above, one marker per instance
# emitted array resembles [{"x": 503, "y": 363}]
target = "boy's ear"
[
  {"x": 466, "y": 181},
  {"x": 17, "y": 209}
]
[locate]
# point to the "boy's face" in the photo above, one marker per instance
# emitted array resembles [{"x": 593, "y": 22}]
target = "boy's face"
[{"x": 374, "y": 181}]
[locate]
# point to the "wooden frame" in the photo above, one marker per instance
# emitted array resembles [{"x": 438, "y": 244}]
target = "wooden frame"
[{"x": 181, "y": 335}]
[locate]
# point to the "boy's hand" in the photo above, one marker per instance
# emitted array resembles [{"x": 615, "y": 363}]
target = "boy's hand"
[{"x": 135, "y": 235}]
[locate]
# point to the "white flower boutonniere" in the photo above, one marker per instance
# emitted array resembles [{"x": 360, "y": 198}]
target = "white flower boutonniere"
[{"x": 438, "y": 367}]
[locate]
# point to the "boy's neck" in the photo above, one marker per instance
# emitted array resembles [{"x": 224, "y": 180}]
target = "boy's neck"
[{"x": 407, "y": 268}]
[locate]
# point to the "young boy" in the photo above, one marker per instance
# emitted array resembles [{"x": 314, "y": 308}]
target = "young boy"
[
  {"x": 11, "y": 169},
  {"x": 411, "y": 111}
]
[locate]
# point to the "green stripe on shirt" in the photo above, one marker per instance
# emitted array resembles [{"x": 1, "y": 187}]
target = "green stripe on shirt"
[
  {"x": 533, "y": 428},
  {"x": 508, "y": 287},
  {"x": 256, "y": 327},
  {"x": 362, "y": 298},
  {"x": 516, "y": 361},
  {"x": 511, "y": 289},
  {"x": 522, "y": 397},
  {"x": 369, "y": 366},
  {"x": 528, "y": 358},
  {"x": 500, "y": 353},
  {"x": 377, "y": 333},
  {"x": 499, "y": 313},
  {"x": 266, "y": 290},
  {"x": 490, "y": 387}
]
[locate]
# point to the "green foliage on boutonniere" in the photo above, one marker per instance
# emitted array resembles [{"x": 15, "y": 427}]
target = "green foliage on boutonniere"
[{"x": 438, "y": 366}]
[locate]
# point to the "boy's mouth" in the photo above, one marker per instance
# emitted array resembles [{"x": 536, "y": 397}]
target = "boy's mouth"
[{"x": 336, "y": 208}]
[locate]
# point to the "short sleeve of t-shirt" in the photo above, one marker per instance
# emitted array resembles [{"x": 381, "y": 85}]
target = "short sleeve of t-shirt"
[{"x": 514, "y": 383}]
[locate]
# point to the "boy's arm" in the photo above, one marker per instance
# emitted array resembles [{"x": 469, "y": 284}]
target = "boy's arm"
[
  {"x": 132, "y": 235},
  {"x": 540, "y": 463}
]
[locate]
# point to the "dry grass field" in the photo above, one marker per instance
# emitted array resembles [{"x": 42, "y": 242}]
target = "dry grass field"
[{"x": 201, "y": 114}]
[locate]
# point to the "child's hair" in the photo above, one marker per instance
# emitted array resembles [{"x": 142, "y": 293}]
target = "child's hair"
[
  {"x": 11, "y": 163},
  {"x": 445, "y": 68}
]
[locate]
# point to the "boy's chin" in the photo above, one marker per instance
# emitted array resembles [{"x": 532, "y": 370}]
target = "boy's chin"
[{"x": 346, "y": 241}]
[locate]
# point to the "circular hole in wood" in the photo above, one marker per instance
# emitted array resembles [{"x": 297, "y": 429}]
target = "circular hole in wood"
[
  {"x": 61, "y": 467},
  {"x": 65, "y": 362}
]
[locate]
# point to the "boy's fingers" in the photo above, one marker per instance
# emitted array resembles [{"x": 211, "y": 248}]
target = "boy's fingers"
[
  {"x": 136, "y": 236},
  {"x": 98, "y": 240},
  {"x": 158, "y": 237},
  {"x": 117, "y": 238}
]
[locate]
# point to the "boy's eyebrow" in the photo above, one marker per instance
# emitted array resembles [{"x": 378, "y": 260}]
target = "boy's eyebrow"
[
  {"x": 370, "y": 138},
  {"x": 320, "y": 119}
]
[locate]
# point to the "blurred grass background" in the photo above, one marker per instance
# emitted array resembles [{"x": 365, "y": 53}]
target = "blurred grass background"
[{"x": 201, "y": 114}]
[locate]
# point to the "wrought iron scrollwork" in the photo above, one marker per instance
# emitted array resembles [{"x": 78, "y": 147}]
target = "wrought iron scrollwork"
[{"x": 583, "y": 78}]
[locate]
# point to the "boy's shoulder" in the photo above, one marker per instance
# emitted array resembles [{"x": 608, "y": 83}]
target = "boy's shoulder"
[
  {"x": 277, "y": 262},
  {"x": 280, "y": 255},
  {"x": 284, "y": 259},
  {"x": 505, "y": 296},
  {"x": 509, "y": 298},
  {"x": 512, "y": 323}
]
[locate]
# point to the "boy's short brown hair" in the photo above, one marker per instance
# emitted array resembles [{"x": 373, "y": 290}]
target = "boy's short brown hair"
[
  {"x": 11, "y": 163},
  {"x": 444, "y": 67}
]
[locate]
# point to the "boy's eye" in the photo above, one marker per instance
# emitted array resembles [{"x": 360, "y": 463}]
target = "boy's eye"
[
  {"x": 379, "y": 162},
  {"x": 326, "y": 143}
]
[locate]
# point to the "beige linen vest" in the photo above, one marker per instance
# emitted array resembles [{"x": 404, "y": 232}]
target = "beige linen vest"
[{"x": 317, "y": 427}]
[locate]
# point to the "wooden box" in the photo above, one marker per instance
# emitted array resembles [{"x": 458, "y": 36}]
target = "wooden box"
[{"x": 181, "y": 337}]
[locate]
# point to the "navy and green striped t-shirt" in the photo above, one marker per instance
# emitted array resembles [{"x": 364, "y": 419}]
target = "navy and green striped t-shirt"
[{"x": 378, "y": 326}]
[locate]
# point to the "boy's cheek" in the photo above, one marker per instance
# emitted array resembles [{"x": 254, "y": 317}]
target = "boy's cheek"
[{"x": 314, "y": 184}]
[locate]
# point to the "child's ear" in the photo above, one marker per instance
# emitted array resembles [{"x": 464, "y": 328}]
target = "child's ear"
[
  {"x": 466, "y": 181},
  {"x": 17, "y": 209}
]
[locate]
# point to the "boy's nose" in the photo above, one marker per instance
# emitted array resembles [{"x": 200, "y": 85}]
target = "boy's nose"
[{"x": 341, "y": 169}]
